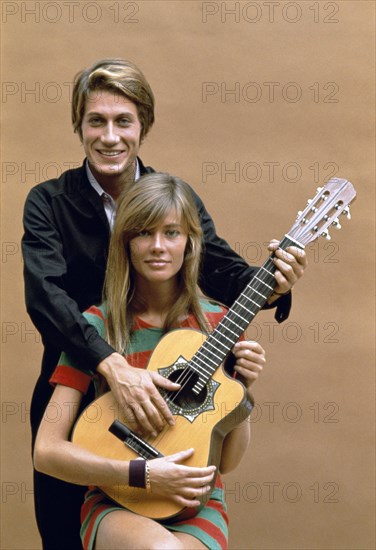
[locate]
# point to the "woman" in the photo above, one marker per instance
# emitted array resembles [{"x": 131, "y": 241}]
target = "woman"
[{"x": 150, "y": 288}]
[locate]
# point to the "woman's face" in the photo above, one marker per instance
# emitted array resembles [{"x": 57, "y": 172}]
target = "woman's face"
[
  {"x": 111, "y": 133},
  {"x": 157, "y": 254}
]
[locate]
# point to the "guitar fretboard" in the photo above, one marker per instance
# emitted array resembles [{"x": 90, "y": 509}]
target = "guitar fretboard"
[{"x": 218, "y": 344}]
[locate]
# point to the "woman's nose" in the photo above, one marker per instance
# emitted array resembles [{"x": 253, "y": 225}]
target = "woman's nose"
[{"x": 157, "y": 242}]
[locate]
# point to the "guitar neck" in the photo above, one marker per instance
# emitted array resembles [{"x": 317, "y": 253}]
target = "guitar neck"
[{"x": 218, "y": 344}]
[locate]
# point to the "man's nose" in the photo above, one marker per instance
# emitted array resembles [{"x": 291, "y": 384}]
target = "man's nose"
[{"x": 109, "y": 136}]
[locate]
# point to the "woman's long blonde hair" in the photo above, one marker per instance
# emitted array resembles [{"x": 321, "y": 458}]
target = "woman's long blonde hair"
[{"x": 143, "y": 205}]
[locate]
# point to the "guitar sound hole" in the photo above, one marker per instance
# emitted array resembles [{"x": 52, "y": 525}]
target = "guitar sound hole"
[{"x": 185, "y": 398}]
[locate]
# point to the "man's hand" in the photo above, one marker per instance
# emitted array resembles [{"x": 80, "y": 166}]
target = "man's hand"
[
  {"x": 290, "y": 264},
  {"x": 136, "y": 392}
]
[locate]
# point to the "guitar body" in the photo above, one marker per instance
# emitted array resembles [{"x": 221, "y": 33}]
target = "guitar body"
[{"x": 201, "y": 421}]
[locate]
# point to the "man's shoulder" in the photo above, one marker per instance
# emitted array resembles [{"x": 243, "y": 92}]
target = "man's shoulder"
[
  {"x": 144, "y": 169},
  {"x": 67, "y": 183}
]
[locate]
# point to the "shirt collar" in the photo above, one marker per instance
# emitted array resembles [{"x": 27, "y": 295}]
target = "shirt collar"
[{"x": 94, "y": 183}]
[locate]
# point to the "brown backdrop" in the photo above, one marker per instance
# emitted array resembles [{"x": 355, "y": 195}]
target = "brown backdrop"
[{"x": 257, "y": 104}]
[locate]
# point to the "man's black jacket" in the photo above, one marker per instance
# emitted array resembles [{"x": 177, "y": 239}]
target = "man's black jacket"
[{"x": 65, "y": 248}]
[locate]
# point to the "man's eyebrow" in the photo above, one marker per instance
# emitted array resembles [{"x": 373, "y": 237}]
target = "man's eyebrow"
[{"x": 96, "y": 113}]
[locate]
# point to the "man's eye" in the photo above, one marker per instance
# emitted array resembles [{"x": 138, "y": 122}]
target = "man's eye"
[
  {"x": 95, "y": 121},
  {"x": 124, "y": 122}
]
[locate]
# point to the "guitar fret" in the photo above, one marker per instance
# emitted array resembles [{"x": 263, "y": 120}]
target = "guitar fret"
[
  {"x": 222, "y": 324},
  {"x": 219, "y": 342},
  {"x": 237, "y": 326},
  {"x": 198, "y": 368},
  {"x": 203, "y": 372},
  {"x": 263, "y": 282},
  {"x": 206, "y": 358},
  {"x": 253, "y": 302},
  {"x": 200, "y": 385},
  {"x": 224, "y": 336},
  {"x": 242, "y": 318},
  {"x": 267, "y": 271},
  {"x": 257, "y": 292}
]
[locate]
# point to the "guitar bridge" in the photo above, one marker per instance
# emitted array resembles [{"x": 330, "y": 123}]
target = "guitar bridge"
[{"x": 134, "y": 441}]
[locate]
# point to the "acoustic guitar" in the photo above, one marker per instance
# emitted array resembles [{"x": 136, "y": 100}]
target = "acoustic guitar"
[{"x": 210, "y": 403}]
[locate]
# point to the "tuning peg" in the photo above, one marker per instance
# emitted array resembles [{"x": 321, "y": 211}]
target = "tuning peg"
[
  {"x": 336, "y": 223},
  {"x": 313, "y": 208},
  {"x": 326, "y": 235},
  {"x": 304, "y": 220},
  {"x": 346, "y": 212}
]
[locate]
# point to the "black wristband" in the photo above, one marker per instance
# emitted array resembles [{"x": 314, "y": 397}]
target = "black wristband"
[
  {"x": 281, "y": 293},
  {"x": 136, "y": 473}
]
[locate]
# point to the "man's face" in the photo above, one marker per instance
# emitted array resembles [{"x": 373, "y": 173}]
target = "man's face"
[{"x": 111, "y": 133}]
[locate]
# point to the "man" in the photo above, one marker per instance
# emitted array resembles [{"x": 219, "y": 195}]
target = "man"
[{"x": 67, "y": 228}]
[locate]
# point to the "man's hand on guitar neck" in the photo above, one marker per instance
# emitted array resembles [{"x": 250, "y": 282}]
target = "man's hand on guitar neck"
[{"x": 136, "y": 393}]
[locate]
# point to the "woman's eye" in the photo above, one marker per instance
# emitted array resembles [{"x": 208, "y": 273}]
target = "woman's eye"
[
  {"x": 172, "y": 233},
  {"x": 143, "y": 233}
]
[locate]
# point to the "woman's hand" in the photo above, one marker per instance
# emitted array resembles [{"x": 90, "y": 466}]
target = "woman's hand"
[
  {"x": 182, "y": 484},
  {"x": 250, "y": 360},
  {"x": 136, "y": 392},
  {"x": 290, "y": 264}
]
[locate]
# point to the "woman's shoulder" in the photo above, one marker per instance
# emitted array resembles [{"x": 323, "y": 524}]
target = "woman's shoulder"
[
  {"x": 97, "y": 316},
  {"x": 96, "y": 311},
  {"x": 211, "y": 306},
  {"x": 213, "y": 311}
]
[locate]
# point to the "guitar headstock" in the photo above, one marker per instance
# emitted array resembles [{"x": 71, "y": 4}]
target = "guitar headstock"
[{"x": 323, "y": 211}]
